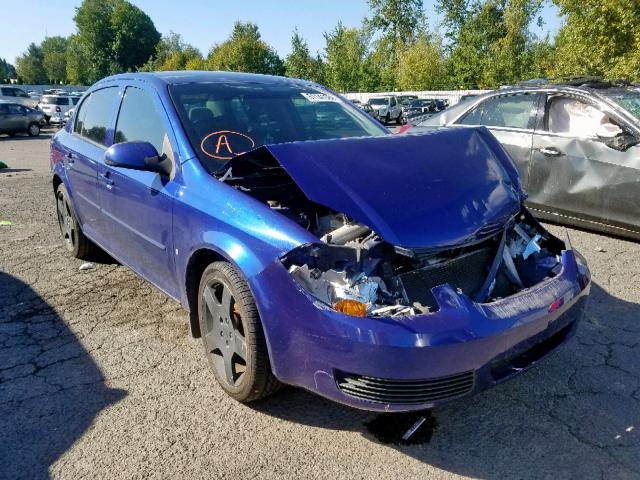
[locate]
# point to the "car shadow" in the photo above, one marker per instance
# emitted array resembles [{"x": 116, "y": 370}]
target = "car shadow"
[
  {"x": 574, "y": 415},
  {"x": 50, "y": 388},
  {"x": 24, "y": 136},
  {"x": 14, "y": 170}
]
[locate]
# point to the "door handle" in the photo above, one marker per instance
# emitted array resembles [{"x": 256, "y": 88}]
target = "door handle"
[
  {"x": 106, "y": 177},
  {"x": 550, "y": 152}
]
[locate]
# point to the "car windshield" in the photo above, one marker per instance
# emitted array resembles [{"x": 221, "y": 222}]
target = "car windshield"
[
  {"x": 421, "y": 103},
  {"x": 55, "y": 100},
  {"x": 226, "y": 120},
  {"x": 378, "y": 101},
  {"x": 627, "y": 99}
]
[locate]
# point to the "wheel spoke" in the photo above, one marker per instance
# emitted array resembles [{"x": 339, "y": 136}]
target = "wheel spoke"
[
  {"x": 214, "y": 339},
  {"x": 225, "y": 304},
  {"x": 228, "y": 367},
  {"x": 211, "y": 302},
  {"x": 240, "y": 345}
]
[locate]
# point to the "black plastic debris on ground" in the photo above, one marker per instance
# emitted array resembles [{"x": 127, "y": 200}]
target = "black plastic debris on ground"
[{"x": 389, "y": 428}]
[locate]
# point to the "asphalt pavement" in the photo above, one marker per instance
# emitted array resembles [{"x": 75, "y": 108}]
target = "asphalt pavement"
[{"x": 99, "y": 378}]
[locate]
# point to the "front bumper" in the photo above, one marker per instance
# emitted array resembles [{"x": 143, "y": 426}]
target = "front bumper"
[{"x": 413, "y": 363}]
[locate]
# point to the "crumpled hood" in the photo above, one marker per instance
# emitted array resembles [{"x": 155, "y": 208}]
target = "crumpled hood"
[{"x": 442, "y": 188}]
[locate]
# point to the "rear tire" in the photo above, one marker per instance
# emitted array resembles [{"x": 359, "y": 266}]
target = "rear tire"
[
  {"x": 232, "y": 334},
  {"x": 33, "y": 130},
  {"x": 74, "y": 240}
]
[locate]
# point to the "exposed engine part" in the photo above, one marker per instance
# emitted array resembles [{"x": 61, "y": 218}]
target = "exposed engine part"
[
  {"x": 331, "y": 286},
  {"x": 346, "y": 233},
  {"x": 393, "y": 282}
]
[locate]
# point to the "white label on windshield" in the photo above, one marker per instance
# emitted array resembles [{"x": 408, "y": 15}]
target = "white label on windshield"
[{"x": 319, "y": 97}]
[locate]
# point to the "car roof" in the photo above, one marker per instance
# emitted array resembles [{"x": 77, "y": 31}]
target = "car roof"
[{"x": 196, "y": 76}]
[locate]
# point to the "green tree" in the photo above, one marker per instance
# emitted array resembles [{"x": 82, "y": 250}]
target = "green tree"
[
  {"x": 394, "y": 25},
  {"x": 422, "y": 65},
  {"x": 245, "y": 51},
  {"x": 95, "y": 36},
  {"x": 400, "y": 21},
  {"x": 172, "y": 53},
  {"x": 54, "y": 50},
  {"x": 490, "y": 40},
  {"x": 7, "y": 71},
  {"x": 78, "y": 63},
  {"x": 599, "y": 37},
  {"x": 29, "y": 65},
  {"x": 115, "y": 36},
  {"x": 134, "y": 36},
  {"x": 345, "y": 52},
  {"x": 300, "y": 64}
]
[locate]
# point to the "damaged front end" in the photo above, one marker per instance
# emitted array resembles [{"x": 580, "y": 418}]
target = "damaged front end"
[
  {"x": 389, "y": 232},
  {"x": 356, "y": 272}
]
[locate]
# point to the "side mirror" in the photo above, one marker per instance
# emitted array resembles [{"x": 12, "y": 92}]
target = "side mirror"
[{"x": 137, "y": 156}]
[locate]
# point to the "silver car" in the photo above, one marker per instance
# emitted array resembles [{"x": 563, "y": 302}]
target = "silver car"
[
  {"x": 576, "y": 147},
  {"x": 15, "y": 118}
]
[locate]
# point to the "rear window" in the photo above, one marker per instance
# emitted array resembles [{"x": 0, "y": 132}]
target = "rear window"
[{"x": 55, "y": 100}]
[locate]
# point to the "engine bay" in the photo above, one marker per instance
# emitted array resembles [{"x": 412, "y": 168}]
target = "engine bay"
[{"x": 351, "y": 265}]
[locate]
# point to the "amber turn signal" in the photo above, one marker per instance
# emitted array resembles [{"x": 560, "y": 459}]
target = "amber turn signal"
[{"x": 351, "y": 307}]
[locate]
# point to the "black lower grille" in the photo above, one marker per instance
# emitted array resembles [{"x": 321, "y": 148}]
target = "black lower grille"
[
  {"x": 466, "y": 272},
  {"x": 405, "y": 391}
]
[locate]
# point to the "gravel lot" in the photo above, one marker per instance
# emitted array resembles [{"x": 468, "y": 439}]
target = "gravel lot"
[{"x": 100, "y": 378}]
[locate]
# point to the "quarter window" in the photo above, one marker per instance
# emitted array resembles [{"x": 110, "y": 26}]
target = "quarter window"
[
  {"x": 515, "y": 111},
  {"x": 94, "y": 116},
  {"x": 139, "y": 119}
]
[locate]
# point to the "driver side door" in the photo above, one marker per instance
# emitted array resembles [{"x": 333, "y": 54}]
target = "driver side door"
[{"x": 578, "y": 175}]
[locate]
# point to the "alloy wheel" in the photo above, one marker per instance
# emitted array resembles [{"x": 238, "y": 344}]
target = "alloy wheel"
[
  {"x": 224, "y": 333},
  {"x": 65, "y": 220}
]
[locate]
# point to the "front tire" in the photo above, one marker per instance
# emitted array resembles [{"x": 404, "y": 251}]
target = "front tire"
[
  {"x": 387, "y": 119},
  {"x": 74, "y": 240},
  {"x": 232, "y": 334}
]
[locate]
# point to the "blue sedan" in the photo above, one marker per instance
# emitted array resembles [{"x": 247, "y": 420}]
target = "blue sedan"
[{"x": 309, "y": 245}]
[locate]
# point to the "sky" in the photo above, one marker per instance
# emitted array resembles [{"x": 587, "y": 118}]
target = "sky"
[{"x": 203, "y": 23}]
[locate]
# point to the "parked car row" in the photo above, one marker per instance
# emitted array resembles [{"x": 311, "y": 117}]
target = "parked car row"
[{"x": 54, "y": 103}]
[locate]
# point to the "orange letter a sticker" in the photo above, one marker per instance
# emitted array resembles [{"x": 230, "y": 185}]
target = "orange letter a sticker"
[{"x": 222, "y": 140}]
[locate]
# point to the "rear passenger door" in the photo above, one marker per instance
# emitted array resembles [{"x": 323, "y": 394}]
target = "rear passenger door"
[
  {"x": 85, "y": 149},
  {"x": 137, "y": 205},
  {"x": 511, "y": 119}
]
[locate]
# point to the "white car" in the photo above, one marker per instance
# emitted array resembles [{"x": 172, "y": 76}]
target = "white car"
[
  {"x": 386, "y": 109},
  {"x": 16, "y": 95},
  {"x": 56, "y": 106}
]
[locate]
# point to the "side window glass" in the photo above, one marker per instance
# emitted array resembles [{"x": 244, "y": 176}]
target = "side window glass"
[
  {"x": 136, "y": 105},
  {"x": 82, "y": 110},
  {"x": 573, "y": 117},
  {"x": 514, "y": 111},
  {"x": 3, "y": 109},
  {"x": 15, "y": 109},
  {"x": 9, "y": 92},
  {"x": 97, "y": 116}
]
